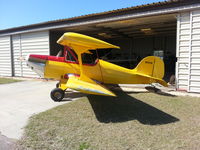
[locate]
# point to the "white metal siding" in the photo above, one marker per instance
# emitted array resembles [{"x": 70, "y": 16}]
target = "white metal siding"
[
  {"x": 5, "y": 56},
  {"x": 188, "y": 51},
  {"x": 29, "y": 43},
  {"x": 17, "y": 55}
]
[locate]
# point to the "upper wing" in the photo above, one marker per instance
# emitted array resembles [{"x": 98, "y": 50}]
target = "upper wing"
[
  {"x": 87, "y": 86},
  {"x": 75, "y": 40}
]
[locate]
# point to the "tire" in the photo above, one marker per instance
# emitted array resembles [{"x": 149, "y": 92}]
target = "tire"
[{"x": 57, "y": 94}]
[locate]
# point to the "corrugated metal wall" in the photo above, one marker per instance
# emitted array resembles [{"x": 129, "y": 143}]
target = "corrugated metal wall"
[
  {"x": 5, "y": 56},
  {"x": 188, "y": 51},
  {"x": 29, "y": 43},
  {"x": 16, "y": 42}
]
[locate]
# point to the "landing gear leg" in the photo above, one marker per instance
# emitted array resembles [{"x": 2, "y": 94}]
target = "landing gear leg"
[
  {"x": 57, "y": 85},
  {"x": 57, "y": 94}
]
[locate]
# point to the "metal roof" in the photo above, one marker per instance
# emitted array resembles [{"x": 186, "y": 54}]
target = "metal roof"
[{"x": 139, "y": 8}]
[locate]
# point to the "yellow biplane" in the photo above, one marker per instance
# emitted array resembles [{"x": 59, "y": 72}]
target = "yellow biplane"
[{"x": 72, "y": 72}]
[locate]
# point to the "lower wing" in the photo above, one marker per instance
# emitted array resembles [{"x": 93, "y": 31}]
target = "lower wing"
[{"x": 88, "y": 86}]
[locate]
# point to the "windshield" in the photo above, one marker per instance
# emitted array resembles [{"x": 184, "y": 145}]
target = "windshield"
[
  {"x": 71, "y": 55},
  {"x": 89, "y": 58},
  {"x": 86, "y": 58}
]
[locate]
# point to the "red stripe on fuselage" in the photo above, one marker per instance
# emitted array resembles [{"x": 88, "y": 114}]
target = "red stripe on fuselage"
[
  {"x": 59, "y": 59},
  {"x": 43, "y": 57}
]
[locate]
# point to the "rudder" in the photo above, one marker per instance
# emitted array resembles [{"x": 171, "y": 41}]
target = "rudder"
[{"x": 151, "y": 66}]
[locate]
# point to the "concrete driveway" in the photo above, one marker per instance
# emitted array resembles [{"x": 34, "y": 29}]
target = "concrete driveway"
[{"x": 21, "y": 100}]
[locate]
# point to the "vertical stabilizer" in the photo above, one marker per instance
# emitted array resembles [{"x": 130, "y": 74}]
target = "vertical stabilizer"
[{"x": 152, "y": 67}]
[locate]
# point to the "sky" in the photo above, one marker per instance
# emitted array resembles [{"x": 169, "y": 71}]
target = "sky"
[{"x": 15, "y": 13}]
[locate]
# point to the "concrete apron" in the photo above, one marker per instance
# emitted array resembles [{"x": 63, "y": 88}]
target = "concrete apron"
[{"x": 21, "y": 100}]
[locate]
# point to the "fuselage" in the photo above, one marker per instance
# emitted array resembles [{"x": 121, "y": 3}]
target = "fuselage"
[{"x": 58, "y": 68}]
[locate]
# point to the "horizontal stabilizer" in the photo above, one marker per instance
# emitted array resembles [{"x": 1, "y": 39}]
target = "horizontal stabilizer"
[{"x": 154, "y": 80}]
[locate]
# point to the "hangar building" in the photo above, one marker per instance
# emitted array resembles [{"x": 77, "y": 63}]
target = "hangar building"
[{"x": 169, "y": 29}]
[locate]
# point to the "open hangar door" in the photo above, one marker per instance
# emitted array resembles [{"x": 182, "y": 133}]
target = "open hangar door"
[
  {"x": 138, "y": 38},
  {"x": 53, "y": 37}
]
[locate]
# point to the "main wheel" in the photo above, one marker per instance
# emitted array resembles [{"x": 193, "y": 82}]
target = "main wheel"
[{"x": 57, "y": 94}]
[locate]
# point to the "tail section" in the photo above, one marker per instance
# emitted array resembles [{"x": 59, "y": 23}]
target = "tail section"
[{"x": 152, "y": 67}]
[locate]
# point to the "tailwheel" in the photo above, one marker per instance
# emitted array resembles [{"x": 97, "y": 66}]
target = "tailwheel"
[
  {"x": 154, "y": 89},
  {"x": 57, "y": 94}
]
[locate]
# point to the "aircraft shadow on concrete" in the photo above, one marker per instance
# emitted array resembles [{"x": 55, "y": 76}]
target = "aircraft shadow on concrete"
[
  {"x": 125, "y": 108},
  {"x": 158, "y": 91}
]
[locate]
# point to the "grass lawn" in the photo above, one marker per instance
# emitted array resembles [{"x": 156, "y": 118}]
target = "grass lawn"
[
  {"x": 7, "y": 80},
  {"x": 134, "y": 121}
]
